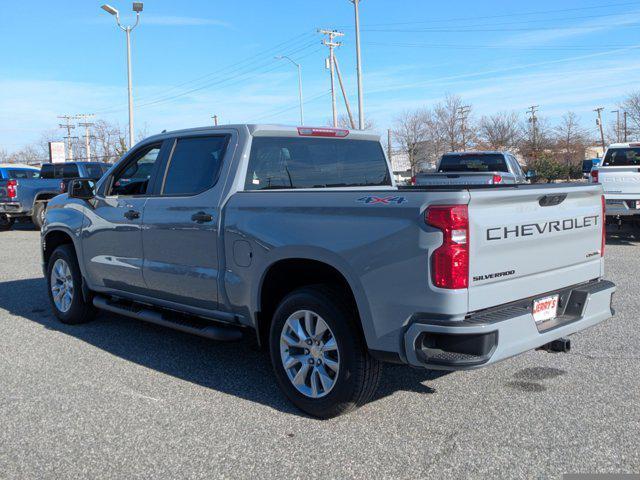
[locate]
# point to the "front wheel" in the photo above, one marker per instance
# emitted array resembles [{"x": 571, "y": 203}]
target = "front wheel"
[
  {"x": 64, "y": 282},
  {"x": 5, "y": 222},
  {"x": 319, "y": 355}
]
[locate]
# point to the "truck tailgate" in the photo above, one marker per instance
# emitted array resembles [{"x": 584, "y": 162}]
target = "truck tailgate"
[
  {"x": 532, "y": 239},
  {"x": 625, "y": 180},
  {"x": 462, "y": 178}
]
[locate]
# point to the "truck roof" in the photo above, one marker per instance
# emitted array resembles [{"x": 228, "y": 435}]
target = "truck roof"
[
  {"x": 18, "y": 165},
  {"x": 624, "y": 145},
  {"x": 478, "y": 152},
  {"x": 265, "y": 129}
]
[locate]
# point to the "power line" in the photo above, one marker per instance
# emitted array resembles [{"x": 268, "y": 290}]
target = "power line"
[{"x": 505, "y": 15}]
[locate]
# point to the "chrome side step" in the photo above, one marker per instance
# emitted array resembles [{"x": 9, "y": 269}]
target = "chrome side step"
[{"x": 184, "y": 323}]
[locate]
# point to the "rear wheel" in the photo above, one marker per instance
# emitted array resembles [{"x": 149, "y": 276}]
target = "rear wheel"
[
  {"x": 64, "y": 282},
  {"x": 5, "y": 222},
  {"x": 319, "y": 356},
  {"x": 39, "y": 211}
]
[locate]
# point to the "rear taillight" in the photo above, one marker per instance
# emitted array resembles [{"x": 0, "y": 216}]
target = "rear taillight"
[
  {"x": 12, "y": 188},
  {"x": 497, "y": 179},
  {"x": 413, "y": 180},
  {"x": 604, "y": 226},
  {"x": 594, "y": 176},
  {"x": 450, "y": 261}
]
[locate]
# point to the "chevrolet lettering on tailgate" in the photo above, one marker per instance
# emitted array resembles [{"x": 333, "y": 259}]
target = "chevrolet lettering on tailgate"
[{"x": 530, "y": 229}]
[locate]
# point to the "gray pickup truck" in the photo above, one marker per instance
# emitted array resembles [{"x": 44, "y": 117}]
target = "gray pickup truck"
[
  {"x": 27, "y": 197},
  {"x": 473, "y": 168},
  {"x": 300, "y": 236},
  {"x": 619, "y": 174}
]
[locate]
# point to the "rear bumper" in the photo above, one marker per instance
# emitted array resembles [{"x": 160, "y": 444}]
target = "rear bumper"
[
  {"x": 13, "y": 209},
  {"x": 622, "y": 205},
  {"x": 496, "y": 334}
]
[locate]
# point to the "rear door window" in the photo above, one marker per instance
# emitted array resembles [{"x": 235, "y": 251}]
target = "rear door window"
[
  {"x": 622, "y": 157},
  {"x": 70, "y": 171},
  {"x": 473, "y": 163},
  {"x": 291, "y": 162},
  {"x": 46, "y": 171},
  {"x": 194, "y": 165}
]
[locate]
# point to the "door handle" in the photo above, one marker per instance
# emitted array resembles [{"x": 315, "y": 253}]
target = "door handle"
[
  {"x": 201, "y": 217},
  {"x": 132, "y": 215}
]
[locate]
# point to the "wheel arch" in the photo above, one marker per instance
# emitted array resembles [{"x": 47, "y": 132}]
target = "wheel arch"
[
  {"x": 52, "y": 239},
  {"x": 287, "y": 273}
]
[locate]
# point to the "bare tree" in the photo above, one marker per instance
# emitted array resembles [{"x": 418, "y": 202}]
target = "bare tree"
[
  {"x": 631, "y": 105},
  {"x": 343, "y": 122},
  {"x": 447, "y": 116},
  {"x": 500, "y": 131},
  {"x": 571, "y": 140},
  {"x": 409, "y": 132},
  {"x": 537, "y": 138}
]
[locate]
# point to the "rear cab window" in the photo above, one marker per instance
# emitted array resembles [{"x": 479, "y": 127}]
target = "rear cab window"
[
  {"x": 294, "y": 163},
  {"x": 622, "y": 157},
  {"x": 21, "y": 173},
  {"x": 473, "y": 163}
]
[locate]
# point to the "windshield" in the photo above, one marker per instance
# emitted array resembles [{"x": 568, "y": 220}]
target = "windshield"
[
  {"x": 622, "y": 157},
  {"x": 473, "y": 163},
  {"x": 22, "y": 173}
]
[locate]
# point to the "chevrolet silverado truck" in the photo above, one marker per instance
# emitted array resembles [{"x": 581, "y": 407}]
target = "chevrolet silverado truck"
[
  {"x": 473, "y": 168},
  {"x": 27, "y": 197},
  {"x": 300, "y": 236},
  {"x": 619, "y": 174}
]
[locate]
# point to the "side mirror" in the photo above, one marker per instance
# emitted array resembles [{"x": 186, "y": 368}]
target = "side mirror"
[
  {"x": 82, "y": 188},
  {"x": 531, "y": 174}
]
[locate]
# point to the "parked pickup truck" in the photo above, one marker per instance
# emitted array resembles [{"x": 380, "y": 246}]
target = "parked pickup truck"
[
  {"x": 473, "y": 168},
  {"x": 300, "y": 236},
  {"x": 619, "y": 174},
  {"x": 27, "y": 197}
]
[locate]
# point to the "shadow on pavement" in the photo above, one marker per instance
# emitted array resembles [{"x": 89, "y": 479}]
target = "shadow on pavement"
[
  {"x": 241, "y": 368},
  {"x": 624, "y": 237}
]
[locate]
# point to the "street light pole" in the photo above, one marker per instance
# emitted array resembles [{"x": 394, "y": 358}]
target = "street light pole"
[
  {"x": 280, "y": 57},
  {"x": 358, "y": 65},
  {"x": 137, "y": 7}
]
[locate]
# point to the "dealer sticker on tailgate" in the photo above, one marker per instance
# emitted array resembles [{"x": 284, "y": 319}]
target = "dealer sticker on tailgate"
[{"x": 545, "y": 308}]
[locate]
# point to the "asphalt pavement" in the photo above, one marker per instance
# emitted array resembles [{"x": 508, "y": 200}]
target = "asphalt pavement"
[{"x": 118, "y": 398}]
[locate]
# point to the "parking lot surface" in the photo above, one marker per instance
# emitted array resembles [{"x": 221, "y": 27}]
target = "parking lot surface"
[{"x": 118, "y": 398}]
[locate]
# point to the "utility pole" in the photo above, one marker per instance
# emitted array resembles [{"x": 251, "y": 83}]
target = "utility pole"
[
  {"x": 625, "y": 127},
  {"x": 68, "y": 127},
  {"x": 356, "y": 10},
  {"x": 533, "y": 119},
  {"x": 344, "y": 93},
  {"x": 464, "y": 111},
  {"x": 617, "y": 112},
  {"x": 215, "y": 120},
  {"x": 332, "y": 34},
  {"x": 599, "y": 122},
  {"x": 87, "y": 132}
]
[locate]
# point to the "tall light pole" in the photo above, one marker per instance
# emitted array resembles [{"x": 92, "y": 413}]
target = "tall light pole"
[
  {"x": 280, "y": 57},
  {"x": 358, "y": 65},
  {"x": 137, "y": 7}
]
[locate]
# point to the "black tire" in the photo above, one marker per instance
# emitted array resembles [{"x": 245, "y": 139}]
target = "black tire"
[
  {"x": 37, "y": 217},
  {"x": 5, "y": 222},
  {"x": 79, "y": 311},
  {"x": 358, "y": 374}
]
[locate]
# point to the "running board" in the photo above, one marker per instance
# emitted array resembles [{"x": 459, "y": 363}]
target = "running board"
[{"x": 184, "y": 323}]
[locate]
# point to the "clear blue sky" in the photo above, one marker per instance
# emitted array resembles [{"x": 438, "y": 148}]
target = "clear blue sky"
[{"x": 192, "y": 59}]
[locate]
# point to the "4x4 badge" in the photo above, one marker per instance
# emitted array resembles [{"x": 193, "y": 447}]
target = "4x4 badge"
[{"x": 386, "y": 200}]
